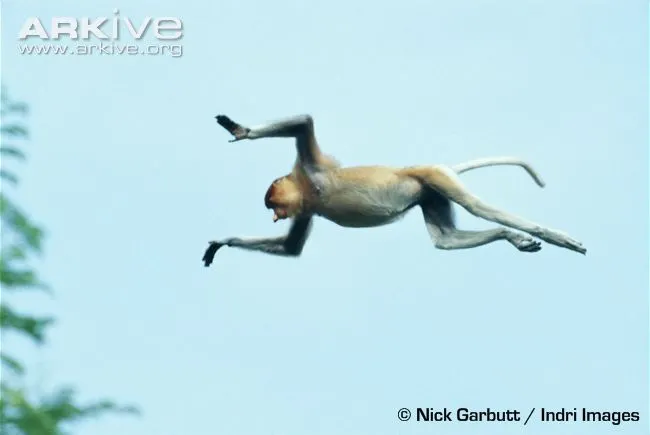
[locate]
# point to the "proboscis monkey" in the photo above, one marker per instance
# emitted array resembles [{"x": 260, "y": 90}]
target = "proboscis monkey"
[{"x": 370, "y": 196}]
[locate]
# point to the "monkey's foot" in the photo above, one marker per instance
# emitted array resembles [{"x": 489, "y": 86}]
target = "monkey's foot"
[
  {"x": 574, "y": 245},
  {"x": 208, "y": 257},
  {"x": 558, "y": 238},
  {"x": 524, "y": 243},
  {"x": 239, "y": 131}
]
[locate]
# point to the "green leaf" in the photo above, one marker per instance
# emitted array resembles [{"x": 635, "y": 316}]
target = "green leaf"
[
  {"x": 12, "y": 364},
  {"x": 47, "y": 415},
  {"x": 12, "y": 253},
  {"x": 13, "y": 152},
  {"x": 19, "y": 224},
  {"x": 21, "y": 417},
  {"x": 11, "y": 278},
  {"x": 61, "y": 407},
  {"x": 19, "y": 413},
  {"x": 8, "y": 176},
  {"x": 13, "y": 107},
  {"x": 33, "y": 327},
  {"x": 14, "y": 130}
]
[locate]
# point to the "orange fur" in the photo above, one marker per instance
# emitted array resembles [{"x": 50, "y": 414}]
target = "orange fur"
[{"x": 371, "y": 196}]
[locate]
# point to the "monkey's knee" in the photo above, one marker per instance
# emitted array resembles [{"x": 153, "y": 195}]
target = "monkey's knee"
[
  {"x": 445, "y": 245},
  {"x": 445, "y": 242}
]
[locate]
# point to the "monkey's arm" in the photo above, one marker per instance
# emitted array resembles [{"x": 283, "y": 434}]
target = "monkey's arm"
[
  {"x": 289, "y": 245},
  {"x": 300, "y": 127}
]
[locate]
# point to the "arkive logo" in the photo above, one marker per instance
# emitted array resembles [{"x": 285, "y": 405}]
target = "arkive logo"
[{"x": 103, "y": 28}]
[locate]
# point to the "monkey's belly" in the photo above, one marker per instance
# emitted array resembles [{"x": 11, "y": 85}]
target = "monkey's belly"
[
  {"x": 356, "y": 219},
  {"x": 368, "y": 205}
]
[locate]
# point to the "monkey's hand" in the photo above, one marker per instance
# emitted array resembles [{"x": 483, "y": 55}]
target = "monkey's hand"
[
  {"x": 239, "y": 131},
  {"x": 208, "y": 257}
]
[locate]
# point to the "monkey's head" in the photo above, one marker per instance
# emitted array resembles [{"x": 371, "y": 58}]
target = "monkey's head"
[{"x": 284, "y": 198}]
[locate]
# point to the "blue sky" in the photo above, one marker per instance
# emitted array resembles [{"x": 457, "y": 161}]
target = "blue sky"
[{"x": 131, "y": 177}]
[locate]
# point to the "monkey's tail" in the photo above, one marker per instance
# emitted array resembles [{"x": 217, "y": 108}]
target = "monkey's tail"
[{"x": 498, "y": 161}]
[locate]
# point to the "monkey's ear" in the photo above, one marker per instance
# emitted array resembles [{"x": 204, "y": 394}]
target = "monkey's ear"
[{"x": 208, "y": 257}]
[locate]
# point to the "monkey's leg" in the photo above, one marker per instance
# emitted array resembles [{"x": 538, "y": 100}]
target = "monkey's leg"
[
  {"x": 289, "y": 245},
  {"x": 446, "y": 181},
  {"x": 439, "y": 220},
  {"x": 460, "y": 239}
]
